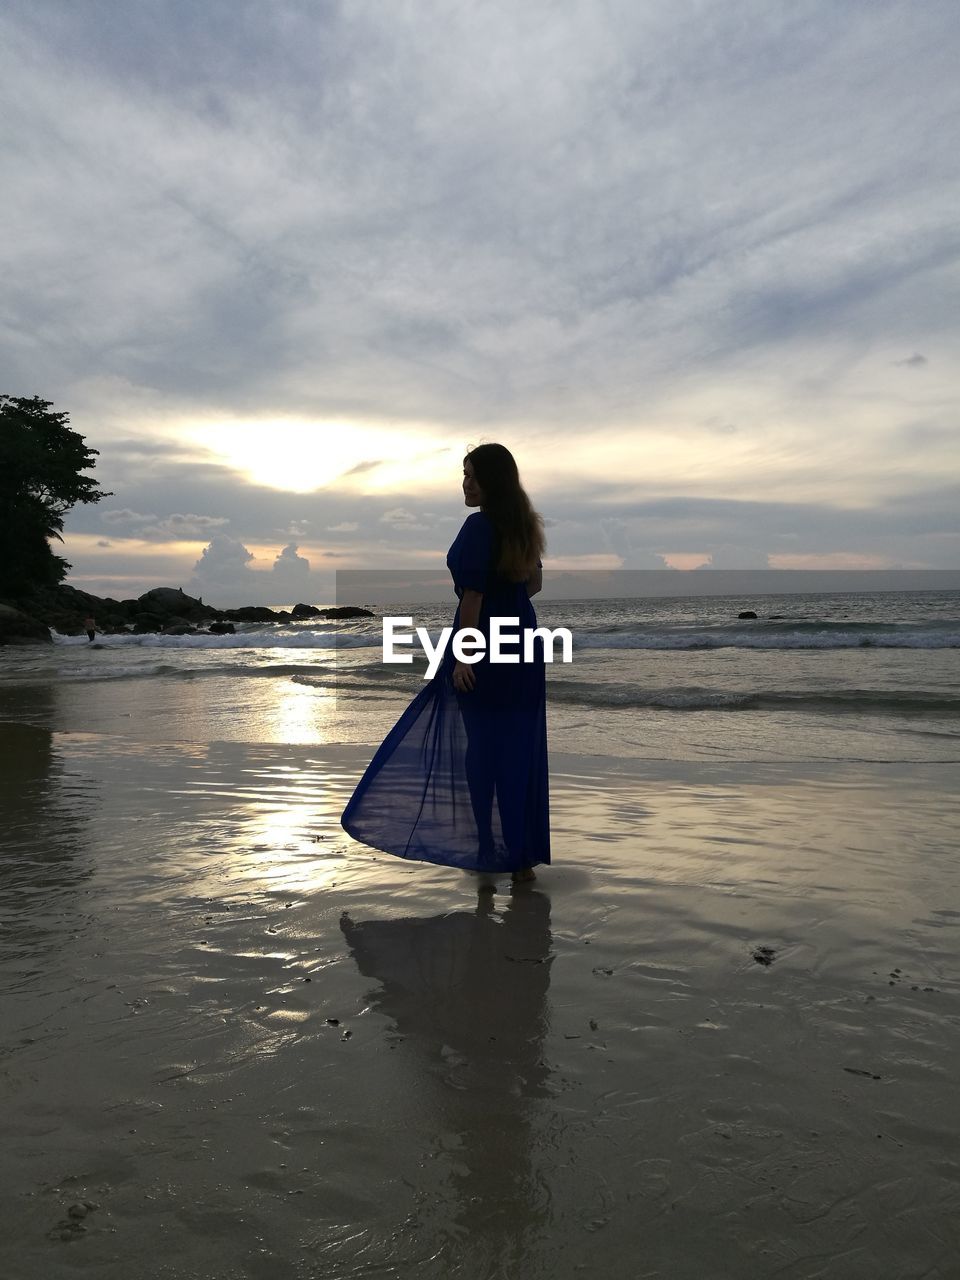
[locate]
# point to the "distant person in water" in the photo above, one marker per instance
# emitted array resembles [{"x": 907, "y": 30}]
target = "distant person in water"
[
  {"x": 90, "y": 626},
  {"x": 461, "y": 779}
]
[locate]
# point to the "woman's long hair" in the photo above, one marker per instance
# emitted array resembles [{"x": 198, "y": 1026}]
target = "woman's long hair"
[{"x": 519, "y": 527}]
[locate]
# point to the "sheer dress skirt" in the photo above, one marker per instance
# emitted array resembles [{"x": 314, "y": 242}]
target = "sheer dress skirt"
[{"x": 461, "y": 779}]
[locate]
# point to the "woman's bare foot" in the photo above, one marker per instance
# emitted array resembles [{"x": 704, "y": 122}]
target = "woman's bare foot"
[{"x": 524, "y": 875}]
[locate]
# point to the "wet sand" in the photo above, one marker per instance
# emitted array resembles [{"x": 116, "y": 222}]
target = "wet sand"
[{"x": 718, "y": 1038}]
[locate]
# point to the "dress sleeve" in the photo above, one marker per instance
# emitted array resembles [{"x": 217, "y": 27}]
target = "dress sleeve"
[{"x": 474, "y": 549}]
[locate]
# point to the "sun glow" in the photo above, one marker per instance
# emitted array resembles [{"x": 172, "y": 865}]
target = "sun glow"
[{"x": 300, "y": 457}]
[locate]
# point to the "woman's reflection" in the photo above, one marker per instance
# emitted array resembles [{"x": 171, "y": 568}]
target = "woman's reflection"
[{"x": 469, "y": 991}]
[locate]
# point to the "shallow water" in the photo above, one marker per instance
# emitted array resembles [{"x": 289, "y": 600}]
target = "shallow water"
[
  {"x": 849, "y": 705},
  {"x": 596, "y": 1075}
]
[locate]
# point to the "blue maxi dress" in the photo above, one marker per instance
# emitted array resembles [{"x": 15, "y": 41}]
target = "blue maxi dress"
[{"x": 461, "y": 778}]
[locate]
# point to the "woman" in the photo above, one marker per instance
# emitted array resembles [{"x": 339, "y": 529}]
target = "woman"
[{"x": 461, "y": 779}]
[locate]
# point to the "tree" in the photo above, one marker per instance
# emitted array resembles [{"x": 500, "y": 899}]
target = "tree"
[{"x": 41, "y": 466}]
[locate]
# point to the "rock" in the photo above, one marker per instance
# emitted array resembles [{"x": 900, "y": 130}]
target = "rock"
[
  {"x": 180, "y": 629},
  {"x": 253, "y": 613},
  {"x": 346, "y": 611},
  {"x": 173, "y": 601},
  {"x": 17, "y": 627},
  {"x": 147, "y": 622},
  {"x": 747, "y": 613},
  {"x": 165, "y": 599},
  {"x": 65, "y": 608},
  {"x": 78, "y": 601},
  {"x": 222, "y": 629}
]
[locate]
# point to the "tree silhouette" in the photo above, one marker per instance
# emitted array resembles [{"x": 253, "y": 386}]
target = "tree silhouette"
[{"x": 41, "y": 466}]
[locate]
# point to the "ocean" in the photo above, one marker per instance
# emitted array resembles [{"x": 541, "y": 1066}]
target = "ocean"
[{"x": 858, "y": 677}]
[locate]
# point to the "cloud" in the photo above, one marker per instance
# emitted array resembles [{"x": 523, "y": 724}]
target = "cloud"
[
  {"x": 177, "y": 527},
  {"x": 622, "y": 517},
  {"x": 150, "y": 448},
  {"x": 401, "y": 518},
  {"x": 618, "y": 535},
  {"x": 291, "y": 567},
  {"x": 417, "y": 239},
  {"x": 172, "y": 528},
  {"x": 223, "y": 576},
  {"x": 684, "y": 266},
  {"x": 736, "y": 557},
  {"x": 223, "y": 557},
  {"x": 227, "y": 576},
  {"x": 123, "y": 515},
  {"x": 362, "y": 468},
  {"x": 721, "y": 428}
]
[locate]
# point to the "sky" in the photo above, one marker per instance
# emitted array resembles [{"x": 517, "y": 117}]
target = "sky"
[{"x": 695, "y": 264}]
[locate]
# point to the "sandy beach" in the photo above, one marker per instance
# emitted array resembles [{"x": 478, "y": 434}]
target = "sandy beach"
[
  {"x": 717, "y": 1038},
  {"x": 521, "y": 436}
]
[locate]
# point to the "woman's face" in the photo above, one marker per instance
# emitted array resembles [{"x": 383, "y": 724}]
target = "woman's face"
[{"x": 472, "y": 493}]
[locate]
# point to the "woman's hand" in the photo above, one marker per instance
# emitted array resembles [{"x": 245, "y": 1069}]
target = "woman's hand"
[{"x": 463, "y": 678}]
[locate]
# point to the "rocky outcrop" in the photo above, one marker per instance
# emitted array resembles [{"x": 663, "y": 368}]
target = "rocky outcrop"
[
  {"x": 162, "y": 609},
  {"x": 144, "y": 623},
  {"x": 255, "y": 613},
  {"x": 747, "y": 613},
  {"x": 176, "y": 604},
  {"x": 17, "y": 627},
  {"x": 346, "y": 611},
  {"x": 65, "y": 609}
]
